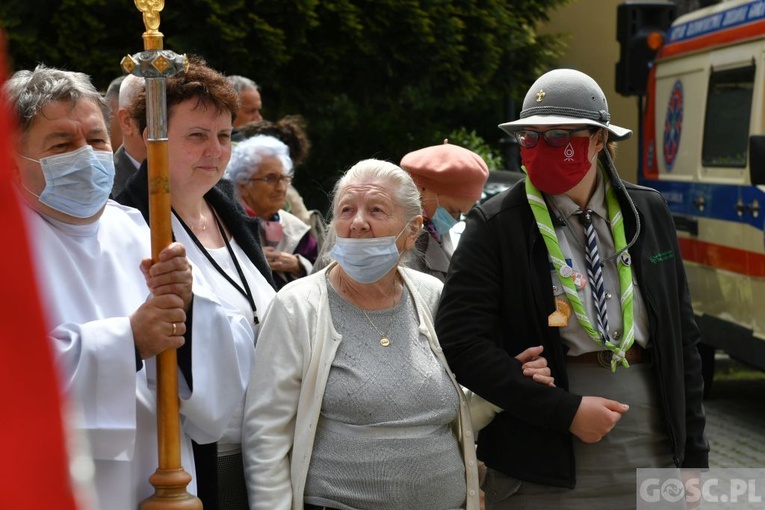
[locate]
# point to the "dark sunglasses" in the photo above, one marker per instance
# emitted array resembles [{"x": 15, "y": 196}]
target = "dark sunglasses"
[{"x": 554, "y": 137}]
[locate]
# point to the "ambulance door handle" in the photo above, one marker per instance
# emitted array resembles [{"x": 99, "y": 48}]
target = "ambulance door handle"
[
  {"x": 700, "y": 203},
  {"x": 754, "y": 208},
  {"x": 740, "y": 208}
]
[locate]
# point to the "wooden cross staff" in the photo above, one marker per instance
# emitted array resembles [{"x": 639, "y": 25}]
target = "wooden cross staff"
[{"x": 155, "y": 65}]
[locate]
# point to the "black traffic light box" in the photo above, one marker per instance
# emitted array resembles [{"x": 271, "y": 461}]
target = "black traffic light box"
[{"x": 635, "y": 21}]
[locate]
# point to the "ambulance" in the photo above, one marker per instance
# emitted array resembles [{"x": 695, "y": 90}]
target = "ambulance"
[{"x": 703, "y": 148}]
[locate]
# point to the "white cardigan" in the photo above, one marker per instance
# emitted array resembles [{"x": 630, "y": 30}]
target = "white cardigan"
[{"x": 293, "y": 357}]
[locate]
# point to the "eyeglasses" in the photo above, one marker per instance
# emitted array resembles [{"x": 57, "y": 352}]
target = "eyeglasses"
[
  {"x": 554, "y": 137},
  {"x": 273, "y": 179}
]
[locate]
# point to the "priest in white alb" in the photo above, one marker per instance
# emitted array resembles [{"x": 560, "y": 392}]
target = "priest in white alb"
[{"x": 110, "y": 310}]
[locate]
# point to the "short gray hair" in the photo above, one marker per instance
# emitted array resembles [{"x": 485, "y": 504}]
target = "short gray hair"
[
  {"x": 131, "y": 86},
  {"x": 113, "y": 90},
  {"x": 241, "y": 83},
  {"x": 405, "y": 192},
  {"x": 28, "y": 91},
  {"x": 248, "y": 154},
  {"x": 405, "y": 195}
]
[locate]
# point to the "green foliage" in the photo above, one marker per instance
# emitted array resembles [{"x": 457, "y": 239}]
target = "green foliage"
[
  {"x": 373, "y": 78},
  {"x": 471, "y": 140}
]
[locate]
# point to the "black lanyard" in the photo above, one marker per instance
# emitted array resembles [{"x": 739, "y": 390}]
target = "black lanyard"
[{"x": 246, "y": 292}]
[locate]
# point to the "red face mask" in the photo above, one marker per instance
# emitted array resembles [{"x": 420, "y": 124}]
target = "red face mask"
[{"x": 555, "y": 170}]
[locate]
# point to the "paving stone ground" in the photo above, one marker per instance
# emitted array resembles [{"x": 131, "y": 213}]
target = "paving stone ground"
[{"x": 736, "y": 417}]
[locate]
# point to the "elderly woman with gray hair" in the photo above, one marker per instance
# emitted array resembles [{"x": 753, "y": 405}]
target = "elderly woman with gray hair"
[
  {"x": 261, "y": 170},
  {"x": 351, "y": 403}
]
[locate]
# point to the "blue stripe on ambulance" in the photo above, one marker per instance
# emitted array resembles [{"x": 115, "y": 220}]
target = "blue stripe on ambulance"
[
  {"x": 720, "y": 200},
  {"x": 724, "y": 20}
]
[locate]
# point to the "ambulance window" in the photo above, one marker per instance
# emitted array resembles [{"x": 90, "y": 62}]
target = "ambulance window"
[{"x": 726, "y": 126}]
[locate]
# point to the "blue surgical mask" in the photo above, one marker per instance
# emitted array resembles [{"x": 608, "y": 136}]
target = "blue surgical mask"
[
  {"x": 366, "y": 260},
  {"x": 77, "y": 183},
  {"x": 442, "y": 220}
]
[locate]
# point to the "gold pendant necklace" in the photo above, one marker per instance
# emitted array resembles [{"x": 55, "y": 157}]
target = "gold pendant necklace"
[
  {"x": 203, "y": 227},
  {"x": 384, "y": 340}
]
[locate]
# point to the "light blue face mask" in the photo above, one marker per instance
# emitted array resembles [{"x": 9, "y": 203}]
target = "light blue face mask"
[
  {"x": 442, "y": 221},
  {"x": 77, "y": 183},
  {"x": 366, "y": 260}
]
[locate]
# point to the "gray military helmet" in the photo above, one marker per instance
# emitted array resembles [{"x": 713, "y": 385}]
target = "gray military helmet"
[{"x": 566, "y": 97}]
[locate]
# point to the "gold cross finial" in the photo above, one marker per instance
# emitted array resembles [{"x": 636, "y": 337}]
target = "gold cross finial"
[
  {"x": 152, "y": 38},
  {"x": 150, "y": 10},
  {"x": 540, "y": 95}
]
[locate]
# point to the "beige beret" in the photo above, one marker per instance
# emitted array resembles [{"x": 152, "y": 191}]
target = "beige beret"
[{"x": 447, "y": 169}]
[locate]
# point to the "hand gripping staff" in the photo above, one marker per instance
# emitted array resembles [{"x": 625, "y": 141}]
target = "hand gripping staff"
[{"x": 155, "y": 65}]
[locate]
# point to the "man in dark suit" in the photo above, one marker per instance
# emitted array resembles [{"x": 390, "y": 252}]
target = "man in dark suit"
[{"x": 132, "y": 152}]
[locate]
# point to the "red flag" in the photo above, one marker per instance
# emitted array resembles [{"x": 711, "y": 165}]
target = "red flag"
[{"x": 34, "y": 468}]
